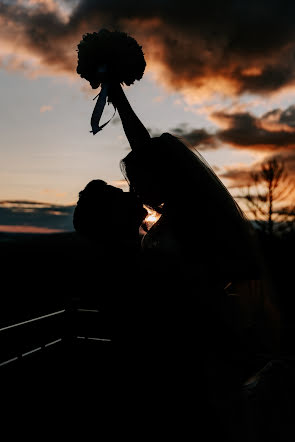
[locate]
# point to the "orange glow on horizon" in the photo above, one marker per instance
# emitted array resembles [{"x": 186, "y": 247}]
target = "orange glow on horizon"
[{"x": 28, "y": 229}]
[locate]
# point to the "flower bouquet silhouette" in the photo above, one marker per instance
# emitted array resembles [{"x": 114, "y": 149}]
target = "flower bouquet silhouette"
[{"x": 106, "y": 57}]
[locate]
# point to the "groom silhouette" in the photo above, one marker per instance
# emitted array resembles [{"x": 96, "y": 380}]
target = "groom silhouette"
[{"x": 105, "y": 213}]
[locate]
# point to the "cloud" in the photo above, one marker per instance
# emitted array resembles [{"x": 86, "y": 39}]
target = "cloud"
[
  {"x": 270, "y": 135},
  {"x": 45, "y": 108},
  {"x": 240, "y": 175},
  {"x": 27, "y": 229},
  {"x": 230, "y": 47},
  {"x": 38, "y": 215},
  {"x": 273, "y": 131},
  {"x": 199, "y": 138},
  {"x": 36, "y": 33}
]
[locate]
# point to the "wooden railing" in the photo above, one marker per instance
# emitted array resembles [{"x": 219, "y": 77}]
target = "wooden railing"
[
  {"x": 62, "y": 327},
  {"x": 69, "y": 326}
]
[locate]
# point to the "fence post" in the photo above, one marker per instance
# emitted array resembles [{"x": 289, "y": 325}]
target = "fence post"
[{"x": 69, "y": 335}]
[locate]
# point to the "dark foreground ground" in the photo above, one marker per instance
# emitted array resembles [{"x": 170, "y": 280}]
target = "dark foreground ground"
[
  {"x": 109, "y": 392},
  {"x": 89, "y": 389}
]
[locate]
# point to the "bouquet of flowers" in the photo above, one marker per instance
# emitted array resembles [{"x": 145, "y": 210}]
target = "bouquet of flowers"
[{"x": 108, "y": 56}]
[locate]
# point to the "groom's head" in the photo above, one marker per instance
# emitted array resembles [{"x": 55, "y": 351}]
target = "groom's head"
[{"x": 104, "y": 210}]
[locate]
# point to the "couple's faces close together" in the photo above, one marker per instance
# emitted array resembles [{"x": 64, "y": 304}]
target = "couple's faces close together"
[
  {"x": 128, "y": 212},
  {"x": 146, "y": 179}
]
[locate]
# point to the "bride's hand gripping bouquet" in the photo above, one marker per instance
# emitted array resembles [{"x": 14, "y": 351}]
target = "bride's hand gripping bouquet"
[{"x": 108, "y": 57}]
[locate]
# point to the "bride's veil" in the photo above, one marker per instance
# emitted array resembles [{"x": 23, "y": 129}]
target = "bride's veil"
[
  {"x": 218, "y": 182},
  {"x": 258, "y": 285},
  {"x": 218, "y": 228}
]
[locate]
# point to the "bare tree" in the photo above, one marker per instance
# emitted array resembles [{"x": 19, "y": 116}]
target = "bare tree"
[{"x": 266, "y": 195}]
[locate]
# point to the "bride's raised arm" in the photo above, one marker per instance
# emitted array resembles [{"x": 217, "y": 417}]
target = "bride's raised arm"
[{"x": 135, "y": 131}]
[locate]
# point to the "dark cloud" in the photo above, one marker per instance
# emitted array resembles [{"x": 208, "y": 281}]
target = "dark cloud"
[
  {"x": 289, "y": 160},
  {"x": 238, "y": 177},
  {"x": 241, "y": 176},
  {"x": 274, "y": 130},
  {"x": 199, "y": 138},
  {"x": 234, "y": 46},
  {"x": 30, "y": 213},
  {"x": 286, "y": 116},
  {"x": 273, "y": 133}
]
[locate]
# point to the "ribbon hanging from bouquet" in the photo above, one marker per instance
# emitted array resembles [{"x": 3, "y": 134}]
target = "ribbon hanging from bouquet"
[{"x": 98, "y": 110}]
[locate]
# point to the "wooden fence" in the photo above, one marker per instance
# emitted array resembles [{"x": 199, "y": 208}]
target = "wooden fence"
[{"x": 62, "y": 327}]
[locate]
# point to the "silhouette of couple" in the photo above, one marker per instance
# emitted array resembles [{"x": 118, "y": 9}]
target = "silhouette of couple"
[
  {"x": 199, "y": 220},
  {"x": 177, "y": 329}
]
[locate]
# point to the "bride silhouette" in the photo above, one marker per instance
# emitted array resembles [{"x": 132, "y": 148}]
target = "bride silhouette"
[
  {"x": 203, "y": 249},
  {"x": 190, "y": 336},
  {"x": 199, "y": 218},
  {"x": 193, "y": 308}
]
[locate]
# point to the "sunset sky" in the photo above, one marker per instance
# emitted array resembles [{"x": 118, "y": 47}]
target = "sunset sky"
[{"x": 219, "y": 74}]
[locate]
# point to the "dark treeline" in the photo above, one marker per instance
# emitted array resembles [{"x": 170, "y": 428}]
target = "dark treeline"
[
  {"x": 278, "y": 252},
  {"x": 44, "y": 272}
]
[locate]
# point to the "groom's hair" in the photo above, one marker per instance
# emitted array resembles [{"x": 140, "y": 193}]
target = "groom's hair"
[
  {"x": 98, "y": 188},
  {"x": 106, "y": 213},
  {"x": 91, "y": 215}
]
